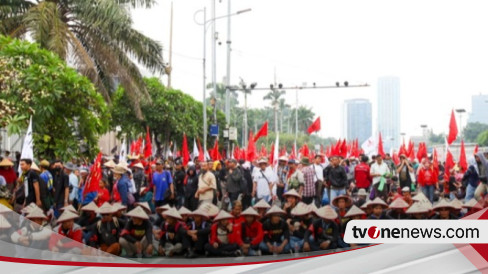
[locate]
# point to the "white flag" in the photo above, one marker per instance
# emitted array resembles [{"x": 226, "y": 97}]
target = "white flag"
[
  {"x": 195, "y": 152},
  {"x": 276, "y": 152},
  {"x": 27, "y": 152},
  {"x": 123, "y": 151},
  {"x": 369, "y": 146}
]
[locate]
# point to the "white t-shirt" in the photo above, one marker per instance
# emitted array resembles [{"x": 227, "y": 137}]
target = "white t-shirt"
[
  {"x": 262, "y": 185},
  {"x": 379, "y": 169},
  {"x": 319, "y": 172}
]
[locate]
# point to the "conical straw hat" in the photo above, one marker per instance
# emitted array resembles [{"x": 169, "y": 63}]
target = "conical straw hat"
[
  {"x": 69, "y": 208},
  {"x": 250, "y": 212},
  {"x": 301, "y": 209},
  {"x": 378, "y": 201},
  {"x": 36, "y": 213},
  {"x": 293, "y": 193},
  {"x": 107, "y": 208},
  {"x": 90, "y": 207},
  {"x": 417, "y": 208},
  {"x": 443, "y": 203},
  {"x": 354, "y": 211},
  {"x": 366, "y": 204},
  {"x": 262, "y": 204},
  {"x": 327, "y": 212},
  {"x": 4, "y": 223},
  {"x": 109, "y": 164},
  {"x": 6, "y": 162},
  {"x": 345, "y": 197},
  {"x": 210, "y": 208},
  {"x": 457, "y": 204},
  {"x": 399, "y": 203},
  {"x": 172, "y": 213},
  {"x": 200, "y": 212},
  {"x": 223, "y": 215},
  {"x": 138, "y": 212},
  {"x": 144, "y": 205},
  {"x": 66, "y": 216},
  {"x": 162, "y": 208},
  {"x": 119, "y": 206},
  {"x": 184, "y": 211},
  {"x": 275, "y": 210}
]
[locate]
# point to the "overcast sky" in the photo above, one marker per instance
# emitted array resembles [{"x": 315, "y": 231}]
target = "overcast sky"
[{"x": 438, "y": 49}]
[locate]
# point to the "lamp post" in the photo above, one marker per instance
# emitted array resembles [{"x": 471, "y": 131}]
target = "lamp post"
[
  {"x": 205, "y": 25},
  {"x": 461, "y": 111}
]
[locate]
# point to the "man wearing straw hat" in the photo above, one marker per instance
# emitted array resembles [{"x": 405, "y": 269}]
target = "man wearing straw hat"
[
  {"x": 324, "y": 231},
  {"x": 106, "y": 232},
  {"x": 120, "y": 190},
  {"x": 7, "y": 171},
  {"x": 172, "y": 238},
  {"x": 222, "y": 238},
  {"x": 276, "y": 233},
  {"x": 136, "y": 237},
  {"x": 263, "y": 181},
  {"x": 34, "y": 234},
  {"x": 197, "y": 233},
  {"x": 68, "y": 235},
  {"x": 249, "y": 234}
]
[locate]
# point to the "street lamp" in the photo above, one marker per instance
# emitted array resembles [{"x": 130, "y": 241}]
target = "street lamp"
[
  {"x": 461, "y": 111},
  {"x": 205, "y": 25},
  {"x": 247, "y": 90}
]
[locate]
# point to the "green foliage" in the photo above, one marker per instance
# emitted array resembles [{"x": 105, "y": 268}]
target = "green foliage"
[
  {"x": 288, "y": 140},
  {"x": 482, "y": 139},
  {"x": 37, "y": 82},
  {"x": 472, "y": 130},
  {"x": 437, "y": 138},
  {"x": 169, "y": 113},
  {"x": 97, "y": 35}
]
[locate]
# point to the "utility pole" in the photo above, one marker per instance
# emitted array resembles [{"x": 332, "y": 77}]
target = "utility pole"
[
  {"x": 214, "y": 51},
  {"x": 227, "y": 90},
  {"x": 170, "y": 64}
]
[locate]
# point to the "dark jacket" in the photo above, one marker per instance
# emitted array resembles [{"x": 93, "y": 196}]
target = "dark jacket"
[
  {"x": 191, "y": 186},
  {"x": 336, "y": 176},
  {"x": 234, "y": 181}
]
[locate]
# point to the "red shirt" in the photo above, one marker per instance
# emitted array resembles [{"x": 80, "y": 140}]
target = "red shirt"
[
  {"x": 427, "y": 176},
  {"x": 254, "y": 232},
  {"x": 214, "y": 237},
  {"x": 74, "y": 234},
  {"x": 105, "y": 197},
  {"x": 362, "y": 175}
]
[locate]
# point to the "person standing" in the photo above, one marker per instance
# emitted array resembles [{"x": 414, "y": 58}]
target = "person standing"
[
  {"x": 191, "y": 187},
  {"x": 139, "y": 179},
  {"x": 120, "y": 191},
  {"x": 60, "y": 187},
  {"x": 73, "y": 183},
  {"x": 404, "y": 170},
  {"x": 471, "y": 178},
  {"x": 428, "y": 179},
  {"x": 281, "y": 172},
  {"x": 336, "y": 177},
  {"x": 7, "y": 171},
  {"x": 362, "y": 174},
  {"x": 379, "y": 172},
  {"x": 319, "y": 178},
  {"x": 263, "y": 181},
  {"x": 163, "y": 182},
  {"x": 235, "y": 183},
  {"x": 207, "y": 185},
  {"x": 309, "y": 187},
  {"x": 31, "y": 182}
]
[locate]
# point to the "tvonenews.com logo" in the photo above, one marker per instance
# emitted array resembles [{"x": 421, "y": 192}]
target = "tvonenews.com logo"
[{"x": 414, "y": 231}]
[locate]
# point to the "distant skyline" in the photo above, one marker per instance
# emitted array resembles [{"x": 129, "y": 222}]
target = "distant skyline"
[
  {"x": 435, "y": 47},
  {"x": 357, "y": 119}
]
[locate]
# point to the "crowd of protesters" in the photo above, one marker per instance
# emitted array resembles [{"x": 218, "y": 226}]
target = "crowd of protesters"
[{"x": 159, "y": 207}]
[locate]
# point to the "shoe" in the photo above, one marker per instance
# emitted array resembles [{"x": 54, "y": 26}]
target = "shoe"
[
  {"x": 238, "y": 253},
  {"x": 190, "y": 254},
  {"x": 259, "y": 252}
]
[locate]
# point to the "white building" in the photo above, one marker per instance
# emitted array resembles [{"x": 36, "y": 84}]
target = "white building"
[
  {"x": 389, "y": 111},
  {"x": 479, "y": 109},
  {"x": 357, "y": 119}
]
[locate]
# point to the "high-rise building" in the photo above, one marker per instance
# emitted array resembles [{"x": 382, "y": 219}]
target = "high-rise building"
[
  {"x": 389, "y": 111},
  {"x": 357, "y": 119},
  {"x": 479, "y": 109}
]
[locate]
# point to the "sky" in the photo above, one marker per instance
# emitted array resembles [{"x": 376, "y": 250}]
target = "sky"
[{"x": 438, "y": 49}]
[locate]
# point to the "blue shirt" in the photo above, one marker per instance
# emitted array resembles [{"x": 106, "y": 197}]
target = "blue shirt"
[
  {"x": 48, "y": 179},
  {"x": 161, "y": 181}
]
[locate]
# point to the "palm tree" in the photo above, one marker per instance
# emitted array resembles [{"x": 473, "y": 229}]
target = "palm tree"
[
  {"x": 305, "y": 118},
  {"x": 95, "y": 35},
  {"x": 283, "y": 107},
  {"x": 274, "y": 96}
]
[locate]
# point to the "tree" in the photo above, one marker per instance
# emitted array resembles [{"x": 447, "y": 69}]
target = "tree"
[
  {"x": 305, "y": 118},
  {"x": 274, "y": 96},
  {"x": 96, "y": 34},
  {"x": 68, "y": 113},
  {"x": 283, "y": 108},
  {"x": 168, "y": 113},
  {"x": 482, "y": 139},
  {"x": 437, "y": 138},
  {"x": 472, "y": 130}
]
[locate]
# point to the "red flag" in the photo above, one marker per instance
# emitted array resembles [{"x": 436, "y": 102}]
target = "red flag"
[
  {"x": 262, "y": 132},
  {"x": 251, "y": 148},
  {"x": 282, "y": 151},
  {"x": 449, "y": 162},
  {"x": 435, "y": 161},
  {"x": 186, "y": 153},
  {"x": 476, "y": 148},
  {"x": 264, "y": 152},
  {"x": 411, "y": 148},
  {"x": 344, "y": 149},
  {"x": 201, "y": 154},
  {"x": 148, "y": 146},
  {"x": 314, "y": 127},
  {"x": 396, "y": 159},
  {"x": 463, "y": 163},
  {"x": 138, "y": 146},
  {"x": 453, "y": 130},
  {"x": 403, "y": 150},
  {"x": 214, "y": 153},
  {"x": 271, "y": 153},
  {"x": 380, "y": 147},
  {"x": 133, "y": 148},
  {"x": 93, "y": 182},
  {"x": 236, "y": 153},
  {"x": 242, "y": 154},
  {"x": 304, "y": 151},
  {"x": 293, "y": 155}
]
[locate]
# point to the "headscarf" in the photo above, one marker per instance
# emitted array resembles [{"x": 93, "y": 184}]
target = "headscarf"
[
  {"x": 484, "y": 162},
  {"x": 472, "y": 162}
]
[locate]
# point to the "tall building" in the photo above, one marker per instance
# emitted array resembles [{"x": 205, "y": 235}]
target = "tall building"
[
  {"x": 357, "y": 119},
  {"x": 479, "y": 109},
  {"x": 389, "y": 111}
]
